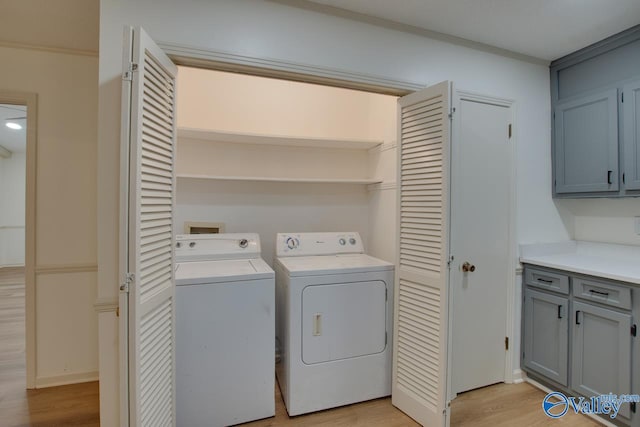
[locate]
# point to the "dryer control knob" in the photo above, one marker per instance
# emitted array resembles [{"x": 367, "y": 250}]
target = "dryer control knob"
[
  {"x": 243, "y": 243},
  {"x": 352, "y": 241},
  {"x": 292, "y": 242},
  {"x": 342, "y": 242}
]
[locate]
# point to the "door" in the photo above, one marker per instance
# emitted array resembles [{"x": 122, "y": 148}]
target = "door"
[
  {"x": 480, "y": 220},
  {"x": 419, "y": 384},
  {"x": 342, "y": 321},
  {"x": 601, "y": 361},
  {"x": 631, "y": 108},
  {"x": 586, "y": 144},
  {"x": 148, "y": 159},
  {"x": 546, "y": 334}
]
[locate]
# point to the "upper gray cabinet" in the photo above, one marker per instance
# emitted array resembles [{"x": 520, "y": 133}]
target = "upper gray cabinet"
[
  {"x": 595, "y": 100},
  {"x": 586, "y": 144},
  {"x": 631, "y": 125}
]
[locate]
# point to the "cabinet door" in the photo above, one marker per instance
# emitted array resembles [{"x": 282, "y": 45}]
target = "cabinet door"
[
  {"x": 546, "y": 335},
  {"x": 631, "y": 108},
  {"x": 586, "y": 144},
  {"x": 601, "y": 361}
]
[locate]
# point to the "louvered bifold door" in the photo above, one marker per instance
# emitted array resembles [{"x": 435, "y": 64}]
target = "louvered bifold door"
[
  {"x": 151, "y": 200},
  {"x": 421, "y": 311}
]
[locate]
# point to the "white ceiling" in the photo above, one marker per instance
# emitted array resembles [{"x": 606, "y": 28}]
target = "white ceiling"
[
  {"x": 544, "y": 29},
  {"x": 13, "y": 140}
]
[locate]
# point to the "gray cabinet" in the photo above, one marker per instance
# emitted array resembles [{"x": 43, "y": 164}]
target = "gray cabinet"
[
  {"x": 546, "y": 339},
  {"x": 579, "y": 334},
  {"x": 631, "y": 137},
  {"x": 586, "y": 144},
  {"x": 601, "y": 345},
  {"x": 587, "y": 113}
]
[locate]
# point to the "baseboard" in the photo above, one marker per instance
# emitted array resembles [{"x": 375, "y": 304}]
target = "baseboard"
[
  {"x": 518, "y": 376},
  {"x": 65, "y": 379}
]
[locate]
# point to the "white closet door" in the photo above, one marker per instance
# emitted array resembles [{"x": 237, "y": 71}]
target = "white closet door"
[
  {"x": 421, "y": 292},
  {"x": 149, "y": 134}
]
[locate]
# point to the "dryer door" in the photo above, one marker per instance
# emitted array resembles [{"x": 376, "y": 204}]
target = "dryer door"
[{"x": 344, "y": 320}]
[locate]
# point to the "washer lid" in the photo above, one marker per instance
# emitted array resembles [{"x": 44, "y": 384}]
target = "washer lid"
[
  {"x": 203, "y": 272},
  {"x": 332, "y": 264}
]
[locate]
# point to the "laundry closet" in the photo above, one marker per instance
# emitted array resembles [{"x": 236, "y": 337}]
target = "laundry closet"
[{"x": 263, "y": 155}]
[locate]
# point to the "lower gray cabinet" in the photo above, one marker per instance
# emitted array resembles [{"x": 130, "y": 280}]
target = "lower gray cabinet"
[
  {"x": 601, "y": 361},
  {"x": 579, "y": 335},
  {"x": 546, "y": 330}
]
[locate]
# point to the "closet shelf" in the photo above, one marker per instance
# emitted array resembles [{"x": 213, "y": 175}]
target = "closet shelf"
[
  {"x": 254, "y": 138},
  {"x": 281, "y": 179}
]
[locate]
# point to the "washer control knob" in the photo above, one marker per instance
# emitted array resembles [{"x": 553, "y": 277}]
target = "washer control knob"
[
  {"x": 178, "y": 244},
  {"x": 192, "y": 244},
  {"x": 292, "y": 242},
  {"x": 243, "y": 243},
  {"x": 352, "y": 241},
  {"x": 342, "y": 241}
]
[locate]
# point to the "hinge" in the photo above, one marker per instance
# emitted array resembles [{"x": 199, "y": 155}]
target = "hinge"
[
  {"x": 453, "y": 110},
  {"x": 633, "y": 407},
  {"x": 506, "y": 343},
  {"x": 554, "y": 116},
  {"x": 386, "y": 294},
  {"x": 622, "y": 97},
  {"x": 128, "y": 73},
  {"x": 128, "y": 280},
  {"x": 449, "y": 262},
  {"x": 623, "y": 178},
  {"x": 509, "y": 130},
  {"x": 385, "y": 339},
  {"x": 634, "y": 330}
]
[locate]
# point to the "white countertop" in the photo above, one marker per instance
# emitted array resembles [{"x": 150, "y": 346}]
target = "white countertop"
[{"x": 616, "y": 262}]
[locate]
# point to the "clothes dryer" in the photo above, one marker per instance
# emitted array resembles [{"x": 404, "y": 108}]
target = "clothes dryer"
[{"x": 334, "y": 321}]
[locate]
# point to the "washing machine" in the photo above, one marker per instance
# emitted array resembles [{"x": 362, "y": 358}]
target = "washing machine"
[
  {"x": 225, "y": 331},
  {"x": 333, "y": 321}
]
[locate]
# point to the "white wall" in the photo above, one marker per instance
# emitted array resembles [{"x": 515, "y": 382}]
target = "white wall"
[
  {"x": 12, "y": 209},
  {"x": 274, "y": 31},
  {"x": 270, "y": 208},
  {"x": 603, "y": 220},
  {"x": 66, "y": 322}
]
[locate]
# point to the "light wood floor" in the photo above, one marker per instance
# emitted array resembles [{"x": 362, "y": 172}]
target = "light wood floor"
[
  {"x": 72, "y": 405},
  {"x": 494, "y": 406},
  {"x": 78, "y": 405}
]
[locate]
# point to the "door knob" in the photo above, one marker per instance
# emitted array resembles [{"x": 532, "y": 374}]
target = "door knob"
[{"x": 468, "y": 267}]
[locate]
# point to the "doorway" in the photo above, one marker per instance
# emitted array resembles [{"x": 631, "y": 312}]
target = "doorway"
[
  {"x": 17, "y": 224},
  {"x": 481, "y": 241},
  {"x": 13, "y": 151}
]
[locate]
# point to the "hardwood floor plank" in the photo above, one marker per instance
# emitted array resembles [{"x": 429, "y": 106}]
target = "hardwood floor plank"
[
  {"x": 78, "y": 404},
  {"x": 508, "y": 405},
  {"x": 494, "y": 406},
  {"x": 70, "y": 405}
]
